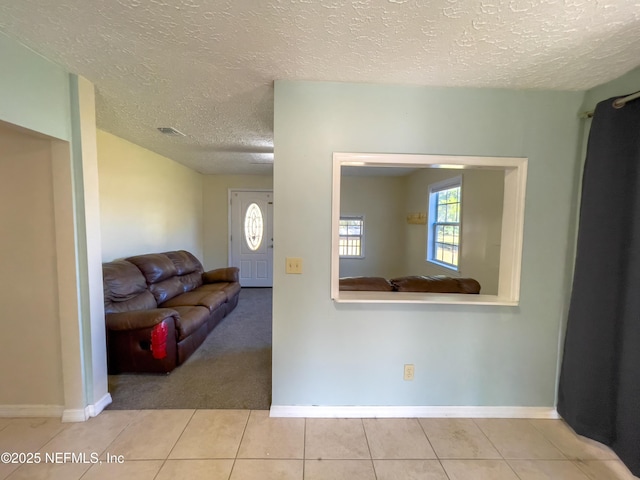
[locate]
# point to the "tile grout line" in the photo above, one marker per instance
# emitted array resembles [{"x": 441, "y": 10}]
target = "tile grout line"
[
  {"x": 557, "y": 447},
  {"x": 529, "y": 422},
  {"x": 496, "y": 448},
  {"x": 304, "y": 448},
  {"x": 488, "y": 439},
  {"x": 138, "y": 413},
  {"x": 548, "y": 440},
  {"x": 164, "y": 461},
  {"x": 366, "y": 439},
  {"x": 235, "y": 457},
  {"x": 434, "y": 450}
]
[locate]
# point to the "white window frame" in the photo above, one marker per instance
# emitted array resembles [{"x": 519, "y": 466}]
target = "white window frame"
[
  {"x": 434, "y": 189},
  {"x": 362, "y": 233}
]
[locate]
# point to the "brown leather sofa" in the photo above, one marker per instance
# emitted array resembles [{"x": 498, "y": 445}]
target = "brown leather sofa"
[
  {"x": 160, "y": 307},
  {"x": 415, "y": 283}
]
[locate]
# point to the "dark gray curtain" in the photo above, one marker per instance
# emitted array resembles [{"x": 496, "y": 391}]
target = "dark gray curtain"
[{"x": 599, "y": 391}]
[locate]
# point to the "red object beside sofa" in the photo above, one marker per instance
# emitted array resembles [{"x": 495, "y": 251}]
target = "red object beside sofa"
[{"x": 160, "y": 307}]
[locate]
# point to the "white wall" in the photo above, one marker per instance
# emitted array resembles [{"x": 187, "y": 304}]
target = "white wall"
[
  {"x": 337, "y": 354},
  {"x": 30, "y": 356},
  {"x": 216, "y": 217},
  {"x": 148, "y": 203}
]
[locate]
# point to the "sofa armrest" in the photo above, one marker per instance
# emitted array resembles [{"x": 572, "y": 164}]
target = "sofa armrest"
[
  {"x": 138, "y": 319},
  {"x": 227, "y": 274}
]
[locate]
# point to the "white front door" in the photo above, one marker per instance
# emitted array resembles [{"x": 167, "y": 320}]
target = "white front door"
[{"x": 251, "y": 242}]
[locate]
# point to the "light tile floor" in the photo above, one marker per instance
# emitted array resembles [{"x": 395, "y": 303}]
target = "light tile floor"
[{"x": 244, "y": 445}]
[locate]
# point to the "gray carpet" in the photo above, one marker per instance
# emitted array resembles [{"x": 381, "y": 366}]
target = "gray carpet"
[{"x": 231, "y": 369}]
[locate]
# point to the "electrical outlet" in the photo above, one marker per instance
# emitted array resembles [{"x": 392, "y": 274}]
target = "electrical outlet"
[
  {"x": 293, "y": 265},
  {"x": 409, "y": 371}
]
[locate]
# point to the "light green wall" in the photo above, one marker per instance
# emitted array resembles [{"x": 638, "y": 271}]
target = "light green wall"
[
  {"x": 340, "y": 354},
  {"x": 35, "y": 92},
  {"x": 624, "y": 85},
  {"x": 216, "y": 216}
]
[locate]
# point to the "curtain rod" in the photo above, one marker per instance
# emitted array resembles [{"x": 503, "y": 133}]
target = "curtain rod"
[{"x": 617, "y": 103}]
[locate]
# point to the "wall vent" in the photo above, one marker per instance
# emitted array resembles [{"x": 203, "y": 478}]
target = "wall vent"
[{"x": 171, "y": 131}]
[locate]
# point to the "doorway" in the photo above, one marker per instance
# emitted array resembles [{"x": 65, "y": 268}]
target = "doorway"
[{"x": 251, "y": 236}]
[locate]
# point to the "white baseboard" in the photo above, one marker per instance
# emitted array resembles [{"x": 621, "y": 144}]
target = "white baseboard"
[
  {"x": 95, "y": 409},
  {"x": 31, "y": 411},
  {"x": 67, "y": 415},
  {"x": 83, "y": 414},
  {"x": 74, "y": 415},
  {"x": 315, "y": 411}
]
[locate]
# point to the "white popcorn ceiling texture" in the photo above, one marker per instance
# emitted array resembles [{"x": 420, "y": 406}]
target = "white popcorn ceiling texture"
[{"x": 206, "y": 67}]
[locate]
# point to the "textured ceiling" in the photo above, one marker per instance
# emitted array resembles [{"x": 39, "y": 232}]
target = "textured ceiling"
[{"x": 206, "y": 67}]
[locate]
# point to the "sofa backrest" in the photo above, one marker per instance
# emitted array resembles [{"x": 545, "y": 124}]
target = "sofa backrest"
[
  {"x": 125, "y": 288},
  {"x": 188, "y": 267},
  {"x": 169, "y": 274},
  {"x": 435, "y": 284}
]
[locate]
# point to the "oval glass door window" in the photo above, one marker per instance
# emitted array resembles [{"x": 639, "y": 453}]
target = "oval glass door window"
[{"x": 253, "y": 226}]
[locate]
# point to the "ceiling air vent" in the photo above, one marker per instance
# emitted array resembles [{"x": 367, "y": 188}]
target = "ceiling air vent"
[{"x": 171, "y": 131}]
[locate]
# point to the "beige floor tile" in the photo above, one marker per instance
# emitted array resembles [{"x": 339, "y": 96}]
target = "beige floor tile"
[
  {"x": 571, "y": 444},
  {"x": 335, "y": 438},
  {"x": 478, "y": 470},
  {"x": 29, "y": 434},
  {"x": 151, "y": 435},
  {"x": 605, "y": 470},
  {"x": 4, "y": 422},
  {"x": 458, "y": 438},
  {"x": 92, "y": 436},
  {"x": 547, "y": 470},
  {"x": 409, "y": 470},
  {"x": 518, "y": 439},
  {"x": 195, "y": 470},
  {"x": 397, "y": 438},
  {"x": 26, "y": 435},
  {"x": 50, "y": 471},
  {"x": 267, "y": 470},
  {"x": 6, "y": 470},
  {"x": 267, "y": 437},
  {"x": 338, "y": 470},
  {"x": 130, "y": 470},
  {"x": 212, "y": 434}
]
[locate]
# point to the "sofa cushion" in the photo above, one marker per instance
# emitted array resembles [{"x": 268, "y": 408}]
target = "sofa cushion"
[
  {"x": 191, "y": 281},
  {"x": 184, "y": 262},
  {"x": 202, "y": 298},
  {"x": 167, "y": 289},
  {"x": 190, "y": 319},
  {"x": 435, "y": 284},
  {"x": 154, "y": 266},
  {"x": 225, "y": 274},
  {"x": 376, "y": 284},
  {"x": 228, "y": 289},
  {"x": 125, "y": 289}
]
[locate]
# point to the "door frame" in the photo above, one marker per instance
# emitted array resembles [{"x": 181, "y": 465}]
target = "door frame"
[{"x": 230, "y": 192}]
